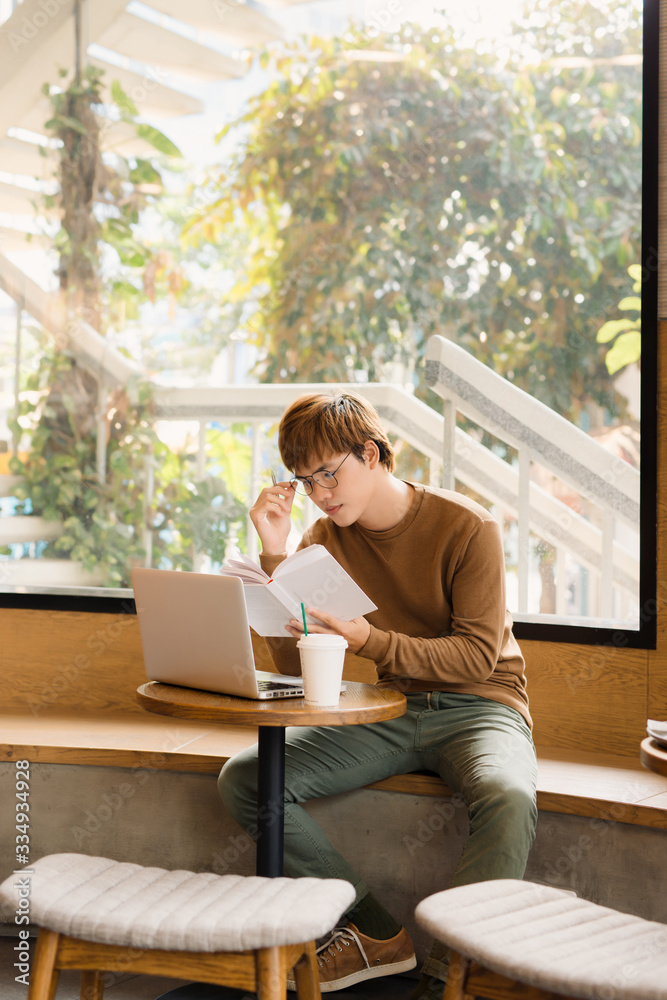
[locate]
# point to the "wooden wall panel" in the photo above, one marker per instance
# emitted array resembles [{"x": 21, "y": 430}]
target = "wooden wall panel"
[
  {"x": 55, "y": 662},
  {"x": 591, "y": 698}
]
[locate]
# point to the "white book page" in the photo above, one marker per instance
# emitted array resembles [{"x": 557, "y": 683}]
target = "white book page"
[
  {"x": 266, "y": 613},
  {"x": 321, "y": 582},
  {"x": 244, "y": 567},
  {"x": 302, "y": 558}
]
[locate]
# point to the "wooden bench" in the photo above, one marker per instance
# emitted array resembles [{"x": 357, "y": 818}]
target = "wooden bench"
[
  {"x": 601, "y": 786},
  {"x": 69, "y": 697}
]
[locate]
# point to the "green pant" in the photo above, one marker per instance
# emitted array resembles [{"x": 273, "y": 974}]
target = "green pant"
[{"x": 480, "y": 748}]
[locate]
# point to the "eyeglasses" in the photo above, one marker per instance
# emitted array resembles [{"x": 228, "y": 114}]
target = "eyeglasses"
[{"x": 305, "y": 484}]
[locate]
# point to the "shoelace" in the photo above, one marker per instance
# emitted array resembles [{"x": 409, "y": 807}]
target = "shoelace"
[{"x": 340, "y": 935}]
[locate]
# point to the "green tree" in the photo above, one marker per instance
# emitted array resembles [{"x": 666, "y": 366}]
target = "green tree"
[{"x": 396, "y": 187}]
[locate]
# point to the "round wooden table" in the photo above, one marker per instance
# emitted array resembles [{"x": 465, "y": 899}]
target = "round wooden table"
[
  {"x": 359, "y": 703},
  {"x": 653, "y": 755}
]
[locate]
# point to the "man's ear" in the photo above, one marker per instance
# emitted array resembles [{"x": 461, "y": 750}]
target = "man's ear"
[{"x": 371, "y": 454}]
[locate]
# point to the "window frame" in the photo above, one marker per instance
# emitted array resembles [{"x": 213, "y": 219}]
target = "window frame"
[{"x": 644, "y": 637}]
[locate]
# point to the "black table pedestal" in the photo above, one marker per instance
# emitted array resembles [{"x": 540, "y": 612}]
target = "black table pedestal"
[
  {"x": 270, "y": 800},
  {"x": 270, "y": 841}
]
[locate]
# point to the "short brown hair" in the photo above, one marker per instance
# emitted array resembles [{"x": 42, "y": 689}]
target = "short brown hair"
[{"x": 320, "y": 424}]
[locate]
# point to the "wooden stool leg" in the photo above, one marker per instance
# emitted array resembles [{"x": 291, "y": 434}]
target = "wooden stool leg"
[
  {"x": 44, "y": 975},
  {"x": 456, "y": 977},
  {"x": 92, "y": 985},
  {"x": 306, "y": 975},
  {"x": 271, "y": 970}
]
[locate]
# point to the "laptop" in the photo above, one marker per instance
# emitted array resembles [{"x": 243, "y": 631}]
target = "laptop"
[{"x": 195, "y": 633}]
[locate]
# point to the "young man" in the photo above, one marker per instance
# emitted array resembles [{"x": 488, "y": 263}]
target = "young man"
[{"x": 432, "y": 561}]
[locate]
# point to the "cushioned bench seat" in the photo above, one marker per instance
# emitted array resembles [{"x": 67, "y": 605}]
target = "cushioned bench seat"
[{"x": 519, "y": 935}]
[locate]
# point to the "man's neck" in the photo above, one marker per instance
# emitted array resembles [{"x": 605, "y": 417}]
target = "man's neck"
[{"x": 391, "y": 502}]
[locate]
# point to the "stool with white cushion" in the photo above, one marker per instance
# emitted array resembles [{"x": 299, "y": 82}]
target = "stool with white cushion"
[
  {"x": 99, "y": 915},
  {"x": 517, "y": 939}
]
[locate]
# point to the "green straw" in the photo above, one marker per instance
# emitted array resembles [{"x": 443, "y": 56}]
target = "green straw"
[{"x": 303, "y": 615}]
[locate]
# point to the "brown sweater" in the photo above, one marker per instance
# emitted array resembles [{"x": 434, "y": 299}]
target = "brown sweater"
[{"x": 438, "y": 579}]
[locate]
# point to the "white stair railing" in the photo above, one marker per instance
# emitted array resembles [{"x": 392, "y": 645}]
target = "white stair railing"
[
  {"x": 521, "y": 420},
  {"x": 540, "y": 435},
  {"x": 509, "y": 489}
]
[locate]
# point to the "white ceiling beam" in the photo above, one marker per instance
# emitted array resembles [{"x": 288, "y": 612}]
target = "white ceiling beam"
[
  {"x": 146, "y": 42},
  {"x": 152, "y": 98},
  {"x": 121, "y": 137},
  {"x": 227, "y": 19},
  {"x": 20, "y": 157},
  {"x": 23, "y": 201},
  {"x": 17, "y": 239},
  {"x": 36, "y": 117},
  {"x": 36, "y": 52},
  {"x": 37, "y": 42}
]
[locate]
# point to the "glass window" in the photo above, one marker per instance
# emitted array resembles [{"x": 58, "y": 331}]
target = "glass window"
[{"x": 442, "y": 208}]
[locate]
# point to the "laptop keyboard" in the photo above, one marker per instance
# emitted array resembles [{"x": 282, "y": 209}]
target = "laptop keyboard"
[{"x": 273, "y": 686}]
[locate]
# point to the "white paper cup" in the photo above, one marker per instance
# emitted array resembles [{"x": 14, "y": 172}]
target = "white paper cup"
[{"x": 322, "y": 659}]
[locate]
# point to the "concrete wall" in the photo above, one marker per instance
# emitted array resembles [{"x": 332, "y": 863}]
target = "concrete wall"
[{"x": 405, "y": 847}]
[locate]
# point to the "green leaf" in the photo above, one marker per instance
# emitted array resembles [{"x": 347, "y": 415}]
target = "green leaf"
[
  {"x": 158, "y": 140},
  {"x": 59, "y": 122},
  {"x": 612, "y": 328},
  {"x": 125, "y": 290},
  {"x": 125, "y": 104},
  {"x": 630, "y": 302},
  {"x": 635, "y": 272},
  {"x": 145, "y": 173},
  {"x": 133, "y": 257},
  {"x": 627, "y": 350},
  {"x": 223, "y": 132}
]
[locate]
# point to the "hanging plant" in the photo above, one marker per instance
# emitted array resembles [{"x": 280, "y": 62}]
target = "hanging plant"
[
  {"x": 103, "y": 507},
  {"x": 81, "y": 178},
  {"x": 101, "y": 199}
]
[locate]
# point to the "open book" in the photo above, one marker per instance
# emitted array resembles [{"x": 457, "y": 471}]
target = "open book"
[{"x": 311, "y": 576}]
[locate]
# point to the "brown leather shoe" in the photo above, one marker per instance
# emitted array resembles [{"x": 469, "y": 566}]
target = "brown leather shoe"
[{"x": 348, "y": 957}]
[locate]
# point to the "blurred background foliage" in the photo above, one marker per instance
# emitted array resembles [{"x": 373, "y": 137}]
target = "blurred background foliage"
[
  {"x": 395, "y": 187},
  {"x": 376, "y": 191}
]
